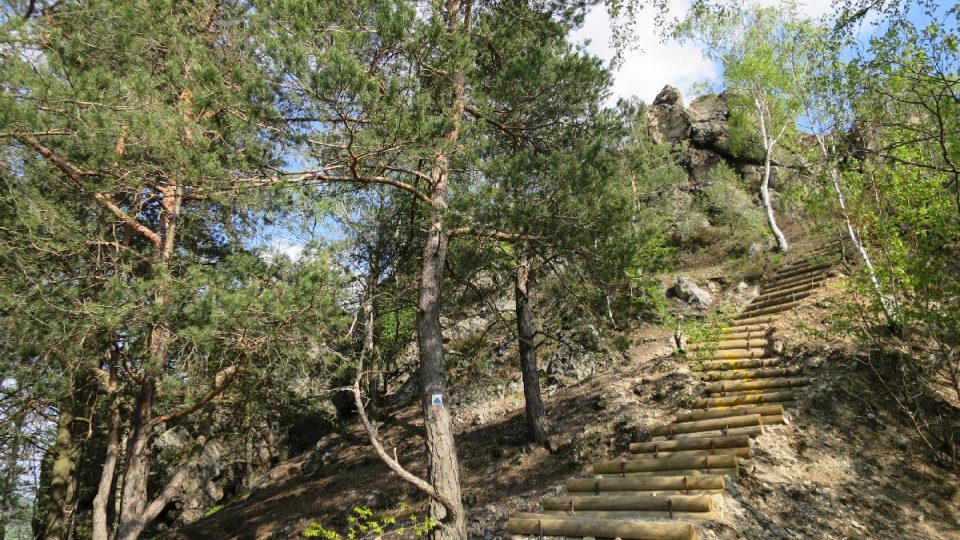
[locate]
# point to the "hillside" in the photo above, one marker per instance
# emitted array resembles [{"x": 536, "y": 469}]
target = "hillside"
[{"x": 844, "y": 465}]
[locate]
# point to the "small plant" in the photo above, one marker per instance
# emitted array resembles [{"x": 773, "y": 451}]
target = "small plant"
[{"x": 364, "y": 523}]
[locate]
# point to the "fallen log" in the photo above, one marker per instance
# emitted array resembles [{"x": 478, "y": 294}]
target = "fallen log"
[{"x": 552, "y": 525}]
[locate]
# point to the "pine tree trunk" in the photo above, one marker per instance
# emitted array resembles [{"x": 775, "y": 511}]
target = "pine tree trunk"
[
  {"x": 101, "y": 502},
  {"x": 61, "y": 497},
  {"x": 538, "y": 426},
  {"x": 11, "y": 473},
  {"x": 137, "y": 470},
  {"x": 443, "y": 469}
]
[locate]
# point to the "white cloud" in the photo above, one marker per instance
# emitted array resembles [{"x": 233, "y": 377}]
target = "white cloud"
[{"x": 654, "y": 64}]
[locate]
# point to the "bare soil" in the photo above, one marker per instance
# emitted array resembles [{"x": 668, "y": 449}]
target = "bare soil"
[{"x": 848, "y": 465}]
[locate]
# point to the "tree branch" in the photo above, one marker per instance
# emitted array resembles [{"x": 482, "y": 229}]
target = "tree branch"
[
  {"x": 77, "y": 175},
  {"x": 493, "y": 234},
  {"x": 223, "y": 380},
  {"x": 322, "y": 178}
]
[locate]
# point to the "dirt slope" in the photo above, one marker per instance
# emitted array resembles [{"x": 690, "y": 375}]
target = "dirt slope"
[{"x": 846, "y": 466}]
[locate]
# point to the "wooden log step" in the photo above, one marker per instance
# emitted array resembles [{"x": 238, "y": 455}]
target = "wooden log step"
[
  {"x": 756, "y": 334},
  {"x": 728, "y": 471},
  {"x": 744, "y": 452},
  {"x": 813, "y": 283},
  {"x": 786, "y": 382},
  {"x": 777, "y": 301},
  {"x": 757, "y": 320},
  {"x": 775, "y": 286},
  {"x": 664, "y": 464},
  {"x": 655, "y": 515},
  {"x": 750, "y": 431},
  {"x": 656, "y": 483},
  {"x": 736, "y": 329},
  {"x": 790, "y": 290},
  {"x": 751, "y": 374},
  {"x": 753, "y": 399},
  {"x": 728, "y": 344},
  {"x": 732, "y": 354},
  {"x": 806, "y": 269},
  {"x": 770, "y": 310},
  {"x": 814, "y": 257},
  {"x": 715, "y": 424},
  {"x": 704, "y": 414},
  {"x": 553, "y": 525},
  {"x": 727, "y": 365},
  {"x": 700, "y": 443},
  {"x": 680, "y": 503}
]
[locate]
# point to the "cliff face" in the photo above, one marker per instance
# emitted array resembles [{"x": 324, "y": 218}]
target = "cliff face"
[
  {"x": 723, "y": 163},
  {"x": 702, "y": 133}
]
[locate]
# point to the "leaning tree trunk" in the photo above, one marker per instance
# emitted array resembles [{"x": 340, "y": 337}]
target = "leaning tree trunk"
[
  {"x": 769, "y": 141},
  {"x": 538, "y": 427},
  {"x": 768, "y": 205}
]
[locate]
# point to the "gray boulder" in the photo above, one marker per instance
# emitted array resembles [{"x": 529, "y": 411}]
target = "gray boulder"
[{"x": 690, "y": 292}]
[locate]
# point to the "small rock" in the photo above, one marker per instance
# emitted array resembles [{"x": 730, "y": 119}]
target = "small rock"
[
  {"x": 814, "y": 362},
  {"x": 756, "y": 248}
]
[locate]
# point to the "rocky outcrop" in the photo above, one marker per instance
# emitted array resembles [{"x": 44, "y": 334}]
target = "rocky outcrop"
[
  {"x": 669, "y": 122},
  {"x": 703, "y": 130}
]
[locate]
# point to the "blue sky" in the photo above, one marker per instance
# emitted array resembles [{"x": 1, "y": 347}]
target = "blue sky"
[{"x": 645, "y": 71}]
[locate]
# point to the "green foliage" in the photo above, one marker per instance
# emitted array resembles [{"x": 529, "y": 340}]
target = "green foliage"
[
  {"x": 365, "y": 523},
  {"x": 725, "y": 200}
]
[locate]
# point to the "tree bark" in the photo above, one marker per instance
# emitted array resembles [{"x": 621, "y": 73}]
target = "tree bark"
[
  {"x": 769, "y": 141},
  {"x": 782, "y": 244},
  {"x": 538, "y": 426},
  {"x": 61, "y": 496},
  {"x": 137, "y": 470},
  {"x": 443, "y": 469},
  {"x": 101, "y": 502}
]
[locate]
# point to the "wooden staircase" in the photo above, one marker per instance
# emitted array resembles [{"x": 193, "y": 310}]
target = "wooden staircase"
[{"x": 664, "y": 487}]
